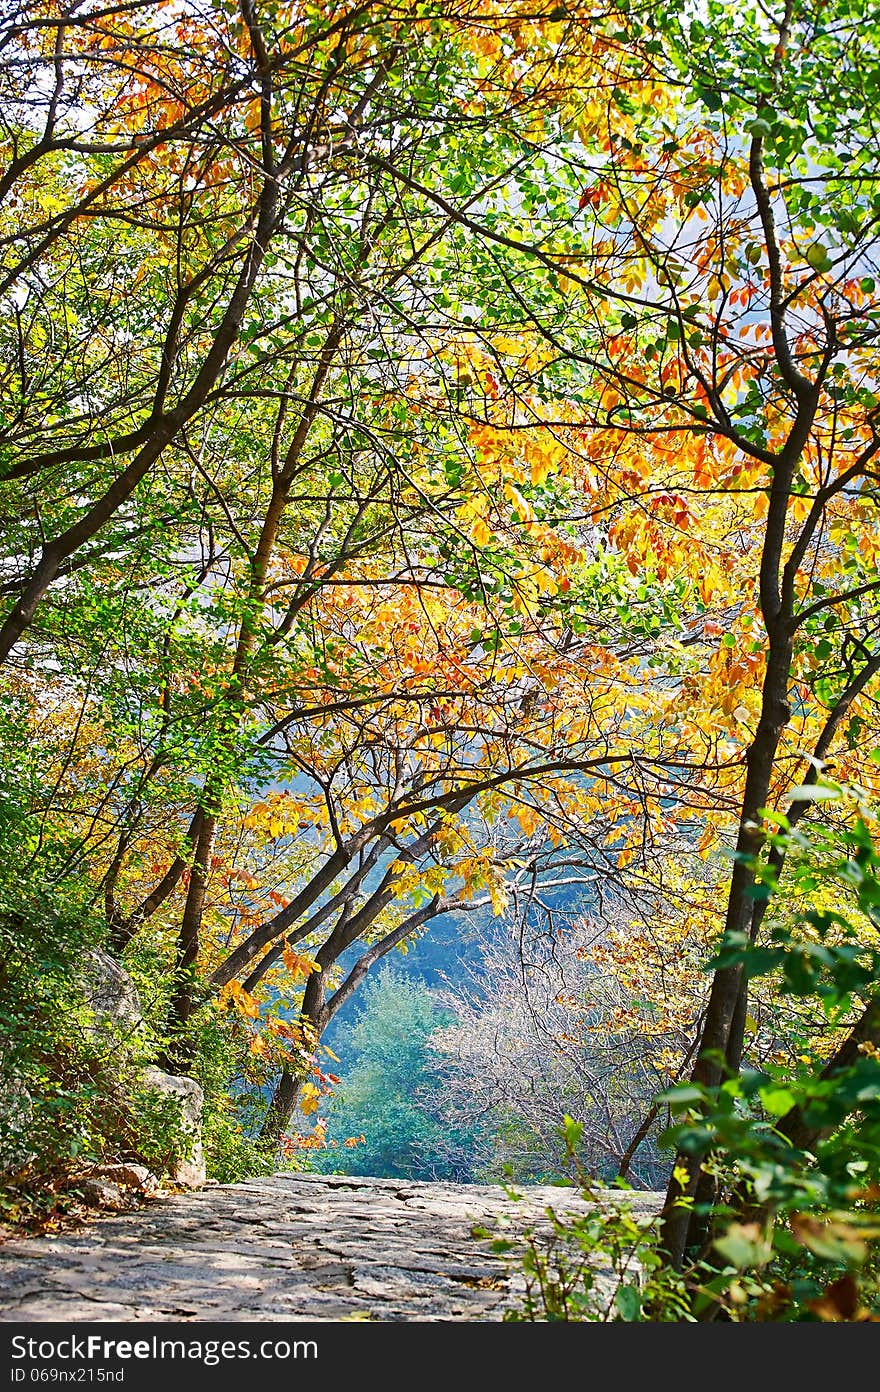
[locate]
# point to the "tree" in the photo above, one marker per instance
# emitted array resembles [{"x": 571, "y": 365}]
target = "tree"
[
  {"x": 725, "y": 265},
  {"x": 539, "y": 1031},
  {"x": 711, "y": 338},
  {"x": 387, "y": 1118},
  {"x": 455, "y": 421},
  {"x": 271, "y": 422}
]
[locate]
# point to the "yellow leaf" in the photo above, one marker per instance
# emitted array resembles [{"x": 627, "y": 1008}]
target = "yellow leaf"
[
  {"x": 524, "y": 508},
  {"x": 309, "y": 1097},
  {"x": 242, "y": 1000},
  {"x": 298, "y": 964},
  {"x": 707, "y": 839}
]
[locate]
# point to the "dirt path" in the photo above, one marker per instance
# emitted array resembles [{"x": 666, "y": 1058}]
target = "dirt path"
[{"x": 289, "y": 1247}]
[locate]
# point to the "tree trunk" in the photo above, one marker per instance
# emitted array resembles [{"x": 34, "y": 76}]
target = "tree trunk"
[
  {"x": 286, "y": 1094},
  {"x": 720, "y": 1046},
  {"x": 182, "y": 1002},
  {"x": 281, "y": 1108}
]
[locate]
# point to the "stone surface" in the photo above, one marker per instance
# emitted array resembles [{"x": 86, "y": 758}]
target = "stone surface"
[
  {"x": 189, "y": 1172},
  {"x": 288, "y": 1247},
  {"x": 16, "y": 1112},
  {"x": 111, "y": 992},
  {"x": 101, "y": 1193},
  {"x": 130, "y": 1177}
]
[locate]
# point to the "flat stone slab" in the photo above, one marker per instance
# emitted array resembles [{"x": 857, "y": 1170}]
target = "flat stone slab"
[{"x": 288, "y": 1247}]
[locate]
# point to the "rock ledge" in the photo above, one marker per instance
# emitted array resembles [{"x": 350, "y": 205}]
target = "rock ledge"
[{"x": 288, "y": 1247}]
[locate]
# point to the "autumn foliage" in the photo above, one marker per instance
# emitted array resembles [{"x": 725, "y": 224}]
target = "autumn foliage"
[{"x": 439, "y": 462}]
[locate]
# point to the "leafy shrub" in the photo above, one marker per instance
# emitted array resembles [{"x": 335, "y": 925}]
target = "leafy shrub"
[
  {"x": 235, "y": 1084},
  {"x": 601, "y": 1266},
  {"x": 71, "y": 1089},
  {"x": 790, "y": 1154}
]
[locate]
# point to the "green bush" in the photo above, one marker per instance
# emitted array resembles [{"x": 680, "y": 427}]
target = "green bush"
[
  {"x": 793, "y": 1152},
  {"x": 387, "y": 1107},
  {"x": 601, "y": 1266},
  {"x": 235, "y": 1084},
  {"x": 71, "y": 1091}
]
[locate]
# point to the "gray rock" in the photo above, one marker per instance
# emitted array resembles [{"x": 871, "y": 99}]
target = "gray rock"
[
  {"x": 190, "y": 1173},
  {"x": 110, "y": 992},
  {"x": 16, "y": 1111},
  {"x": 100, "y": 1193},
  {"x": 130, "y": 1177}
]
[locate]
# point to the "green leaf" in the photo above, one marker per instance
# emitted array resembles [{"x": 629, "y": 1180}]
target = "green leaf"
[
  {"x": 854, "y": 731},
  {"x": 628, "y": 1300},
  {"x": 572, "y": 1132},
  {"x": 777, "y": 1100},
  {"x": 817, "y": 256},
  {"x": 682, "y": 1095},
  {"x": 710, "y": 97},
  {"x": 744, "y": 1245}
]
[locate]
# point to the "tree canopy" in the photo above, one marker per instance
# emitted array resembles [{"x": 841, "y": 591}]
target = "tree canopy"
[{"x": 438, "y": 466}]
